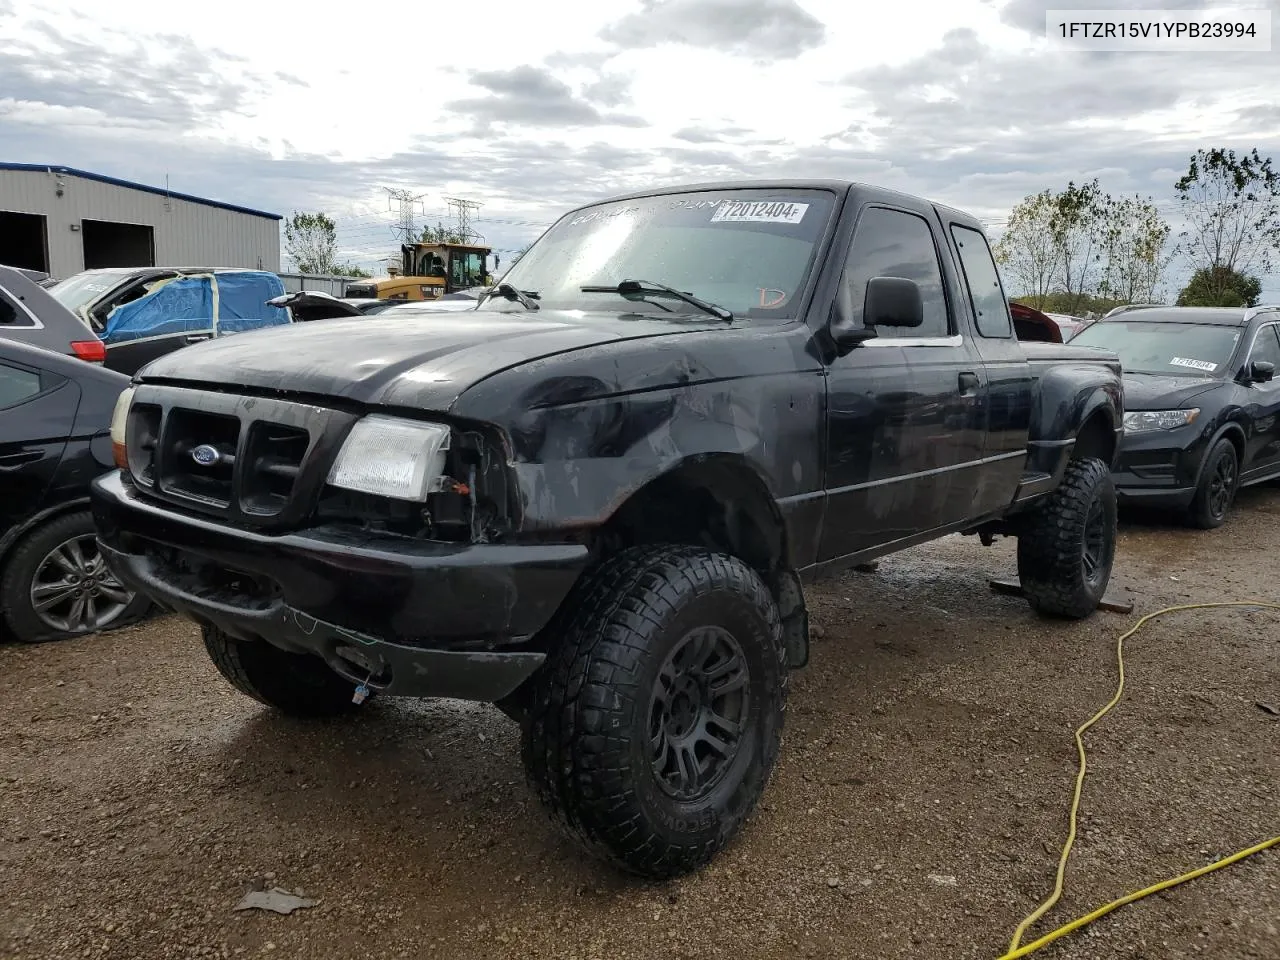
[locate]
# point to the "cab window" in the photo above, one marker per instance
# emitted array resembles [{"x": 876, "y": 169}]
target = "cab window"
[
  {"x": 894, "y": 243},
  {"x": 986, "y": 296}
]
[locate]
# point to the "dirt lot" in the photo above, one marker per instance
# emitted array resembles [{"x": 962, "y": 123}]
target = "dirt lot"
[{"x": 915, "y": 814}]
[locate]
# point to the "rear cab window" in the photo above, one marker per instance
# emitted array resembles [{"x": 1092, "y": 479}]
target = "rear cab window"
[{"x": 982, "y": 279}]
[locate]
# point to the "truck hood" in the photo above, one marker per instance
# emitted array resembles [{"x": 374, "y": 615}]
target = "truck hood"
[
  {"x": 420, "y": 362},
  {"x": 1149, "y": 391}
]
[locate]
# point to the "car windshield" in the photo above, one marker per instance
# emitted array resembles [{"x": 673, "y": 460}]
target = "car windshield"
[
  {"x": 75, "y": 292},
  {"x": 1169, "y": 349},
  {"x": 749, "y": 251}
]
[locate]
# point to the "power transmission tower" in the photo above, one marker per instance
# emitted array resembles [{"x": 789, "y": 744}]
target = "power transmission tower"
[
  {"x": 462, "y": 216},
  {"x": 405, "y": 228}
]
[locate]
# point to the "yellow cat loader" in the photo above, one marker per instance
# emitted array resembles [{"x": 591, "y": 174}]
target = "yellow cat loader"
[{"x": 428, "y": 271}]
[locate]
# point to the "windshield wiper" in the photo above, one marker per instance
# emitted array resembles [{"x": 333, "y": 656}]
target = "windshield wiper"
[
  {"x": 639, "y": 289},
  {"x": 522, "y": 297}
]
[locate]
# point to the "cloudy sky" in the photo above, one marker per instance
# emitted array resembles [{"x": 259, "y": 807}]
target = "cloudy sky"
[{"x": 535, "y": 107}]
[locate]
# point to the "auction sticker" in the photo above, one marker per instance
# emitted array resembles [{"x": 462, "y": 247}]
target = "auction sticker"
[
  {"x": 1193, "y": 364},
  {"x": 759, "y": 211}
]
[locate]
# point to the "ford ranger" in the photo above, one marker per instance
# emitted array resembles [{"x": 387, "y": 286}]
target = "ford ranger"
[{"x": 596, "y": 499}]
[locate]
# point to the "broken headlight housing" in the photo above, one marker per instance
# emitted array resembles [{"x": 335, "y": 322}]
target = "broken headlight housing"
[{"x": 392, "y": 457}]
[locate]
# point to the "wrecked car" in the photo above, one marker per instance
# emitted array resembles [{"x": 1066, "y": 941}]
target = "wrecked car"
[
  {"x": 307, "y": 306},
  {"x": 596, "y": 500},
  {"x": 139, "y": 314}
]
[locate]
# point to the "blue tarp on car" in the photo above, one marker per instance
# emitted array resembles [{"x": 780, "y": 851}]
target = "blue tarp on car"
[{"x": 226, "y": 302}]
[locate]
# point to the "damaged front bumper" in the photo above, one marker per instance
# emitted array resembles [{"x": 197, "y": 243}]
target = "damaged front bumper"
[{"x": 408, "y": 618}]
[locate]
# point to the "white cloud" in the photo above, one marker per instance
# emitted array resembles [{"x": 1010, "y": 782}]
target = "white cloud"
[{"x": 537, "y": 107}]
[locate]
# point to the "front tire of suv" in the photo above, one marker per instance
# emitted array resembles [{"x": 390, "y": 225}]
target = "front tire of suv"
[
  {"x": 1218, "y": 484},
  {"x": 1067, "y": 548},
  {"x": 296, "y": 684},
  {"x": 656, "y": 720}
]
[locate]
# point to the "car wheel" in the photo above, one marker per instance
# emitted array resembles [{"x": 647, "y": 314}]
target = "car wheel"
[
  {"x": 57, "y": 585},
  {"x": 657, "y": 718},
  {"x": 1218, "y": 485},
  {"x": 297, "y": 684},
  {"x": 1068, "y": 545}
]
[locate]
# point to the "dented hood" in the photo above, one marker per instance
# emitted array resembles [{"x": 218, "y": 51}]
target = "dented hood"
[{"x": 421, "y": 362}]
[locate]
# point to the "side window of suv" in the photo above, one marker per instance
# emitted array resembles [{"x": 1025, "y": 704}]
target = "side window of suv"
[
  {"x": 893, "y": 243},
  {"x": 990, "y": 308}
]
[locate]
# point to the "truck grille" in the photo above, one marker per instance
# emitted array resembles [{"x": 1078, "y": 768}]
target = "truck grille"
[{"x": 249, "y": 460}]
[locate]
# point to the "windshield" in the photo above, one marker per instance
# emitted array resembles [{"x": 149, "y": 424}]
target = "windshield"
[
  {"x": 1170, "y": 349},
  {"x": 747, "y": 250},
  {"x": 75, "y": 292}
]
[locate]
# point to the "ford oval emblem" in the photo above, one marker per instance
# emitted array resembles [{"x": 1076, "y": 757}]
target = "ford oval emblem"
[{"x": 206, "y": 455}]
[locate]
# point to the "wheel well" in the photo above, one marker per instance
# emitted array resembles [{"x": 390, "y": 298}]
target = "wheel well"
[
  {"x": 32, "y": 524},
  {"x": 1235, "y": 434},
  {"x": 1096, "y": 439},
  {"x": 716, "y": 503}
]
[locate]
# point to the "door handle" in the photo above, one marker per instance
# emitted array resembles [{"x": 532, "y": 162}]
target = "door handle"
[
  {"x": 196, "y": 337},
  {"x": 968, "y": 384}
]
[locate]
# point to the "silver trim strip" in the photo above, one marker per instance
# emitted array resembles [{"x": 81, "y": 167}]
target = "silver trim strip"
[
  {"x": 952, "y": 341},
  {"x": 928, "y": 473}
]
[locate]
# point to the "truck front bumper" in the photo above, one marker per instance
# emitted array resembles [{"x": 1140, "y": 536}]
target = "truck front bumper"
[{"x": 410, "y": 618}]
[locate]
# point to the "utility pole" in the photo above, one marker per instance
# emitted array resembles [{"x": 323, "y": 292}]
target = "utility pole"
[
  {"x": 405, "y": 227},
  {"x": 462, "y": 215}
]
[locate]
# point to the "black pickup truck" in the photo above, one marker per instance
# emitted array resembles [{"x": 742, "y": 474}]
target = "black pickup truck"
[{"x": 595, "y": 500}]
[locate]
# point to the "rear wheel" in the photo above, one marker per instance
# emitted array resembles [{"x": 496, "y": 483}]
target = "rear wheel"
[
  {"x": 57, "y": 585},
  {"x": 294, "y": 683},
  {"x": 1218, "y": 484},
  {"x": 656, "y": 721},
  {"x": 1067, "y": 548}
]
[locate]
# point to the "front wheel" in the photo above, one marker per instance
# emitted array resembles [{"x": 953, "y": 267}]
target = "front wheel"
[
  {"x": 1067, "y": 548},
  {"x": 57, "y": 585},
  {"x": 1218, "y": 483},
  {"x": 657, "y": 718}
]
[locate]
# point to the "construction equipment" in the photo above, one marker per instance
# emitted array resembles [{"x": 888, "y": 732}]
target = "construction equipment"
[{"x": 429, "y": 271}]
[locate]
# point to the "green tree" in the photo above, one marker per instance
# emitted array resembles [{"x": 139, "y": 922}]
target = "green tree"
[
  {"x": 441, "y": 234},
  {"x": 1026, "y": 251},
  {"x": 1134, "y": 250},
  {"x": 1232, "y": 208},
  {"x": 1220, "y": 287},
  {"x": 1076, "y": 227},
  {"x": 350, "y": 270},
  {"x": 311, "y": 242}
]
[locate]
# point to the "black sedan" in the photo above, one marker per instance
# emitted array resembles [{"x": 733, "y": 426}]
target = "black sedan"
[
  {"x": 1202, "y": 407},
  {"x": 55, "y": 420}
]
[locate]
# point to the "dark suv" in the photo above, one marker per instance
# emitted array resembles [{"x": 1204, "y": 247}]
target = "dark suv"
[{"x": 1202, "y": 404}]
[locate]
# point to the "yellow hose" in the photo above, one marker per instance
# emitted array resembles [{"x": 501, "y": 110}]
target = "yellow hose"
[{"x": 1015, "y": 948}]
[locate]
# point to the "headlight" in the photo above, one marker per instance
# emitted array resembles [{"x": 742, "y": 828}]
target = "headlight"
[
  {"x": 119, "y": 417},
  {"x": 1144, "y": 421},
  {"x": 390, "y": 457}
]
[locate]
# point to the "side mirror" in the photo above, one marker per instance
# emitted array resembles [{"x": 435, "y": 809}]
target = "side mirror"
[
  {"x": 893, "y": 302},
  {"x": 1262, "y": 371}
]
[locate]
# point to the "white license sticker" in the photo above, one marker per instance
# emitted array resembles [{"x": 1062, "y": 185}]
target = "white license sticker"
[
  {"x": 759, "y": 211},
  {"x": 1193, "y": 364}
]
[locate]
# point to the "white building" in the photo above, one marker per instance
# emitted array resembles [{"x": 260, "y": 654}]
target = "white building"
[{"x": 62, "y": 221}]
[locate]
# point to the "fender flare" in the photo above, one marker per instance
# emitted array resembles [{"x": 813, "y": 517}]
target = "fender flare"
[{"x": 1231, "y": 426}]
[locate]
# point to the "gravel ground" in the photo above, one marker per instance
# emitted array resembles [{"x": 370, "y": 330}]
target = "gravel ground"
[{"x": 916, "y": 811}]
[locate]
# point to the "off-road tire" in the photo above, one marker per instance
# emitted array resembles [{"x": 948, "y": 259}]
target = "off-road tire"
[
  {"x": 297, "y": 684},
  {"x": 586, "y": 742},
  {"x": 1207, "y": 510},
  {"x": 19, "y": 615},
  {"x": 1053, "y": 544}
]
